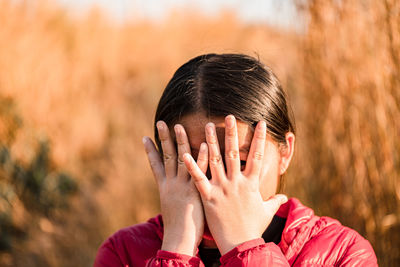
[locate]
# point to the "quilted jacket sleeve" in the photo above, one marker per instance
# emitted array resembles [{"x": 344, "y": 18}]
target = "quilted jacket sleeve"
[
  {"x": 335, "y": 245},
  {"x": 108, "y": 256},
  {"x": 252, "y": 253},
  {"x": 255, "y": 253},
  {"x": 170, "y": 259},
  {"x": 359, "y": 253}
]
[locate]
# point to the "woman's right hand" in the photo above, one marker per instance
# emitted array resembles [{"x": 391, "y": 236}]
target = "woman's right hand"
[{"x": 181, "y": 206}]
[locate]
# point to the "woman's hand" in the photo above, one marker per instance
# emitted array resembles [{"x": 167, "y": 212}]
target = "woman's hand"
[
  {"x": 234, "y": 208},
  {"x": 181, "y": 205}
]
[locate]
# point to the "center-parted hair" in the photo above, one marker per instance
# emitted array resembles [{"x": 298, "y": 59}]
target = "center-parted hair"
[{"x": 221, "y": 84}]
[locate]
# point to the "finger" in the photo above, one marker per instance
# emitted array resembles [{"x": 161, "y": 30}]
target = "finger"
[
  {"x": 202, "y": 158},
  {"x": 168, "y": 147},
  {"x": 232, "y": 158},
  {"x": 154, "y": 158},
  {"x": 183, "y": 147},
  {"x": 199, "y": 178},
  {"x": 256, "y": 154},
  {"x": 272, "y": 205},
  {"x": 214, "y": 153}
]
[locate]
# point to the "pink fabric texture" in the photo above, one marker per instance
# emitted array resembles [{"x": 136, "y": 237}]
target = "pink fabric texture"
[{"x": 307, "y": 240}]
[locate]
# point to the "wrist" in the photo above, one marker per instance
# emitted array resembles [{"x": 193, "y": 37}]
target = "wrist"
[
  {"x": 226, "y": 245},
  {"x": 178, "y": 243}
]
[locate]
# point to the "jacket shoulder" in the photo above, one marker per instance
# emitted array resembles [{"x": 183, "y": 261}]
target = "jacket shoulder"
[
  {"x": 132, "y": 245},
  {"x": 332, "y": 244},
  {"x": 150, "y": 230}
]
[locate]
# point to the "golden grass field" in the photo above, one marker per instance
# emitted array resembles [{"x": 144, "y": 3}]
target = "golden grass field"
[{"x": 89, "y": 88}]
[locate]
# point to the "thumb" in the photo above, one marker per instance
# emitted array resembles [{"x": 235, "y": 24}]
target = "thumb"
[{"x": 272, "y": 205}]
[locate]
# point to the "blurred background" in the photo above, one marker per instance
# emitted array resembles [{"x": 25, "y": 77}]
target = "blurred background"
[{"x": 80, "y": 81}]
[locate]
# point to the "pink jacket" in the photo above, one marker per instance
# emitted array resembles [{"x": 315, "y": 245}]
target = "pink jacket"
[{"x": 307, "y": 240}]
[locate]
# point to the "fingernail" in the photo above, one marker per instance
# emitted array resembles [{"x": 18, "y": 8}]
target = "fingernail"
[
  {"x": 282, "y": 199},
  {"x": 210, "y": 128},
  {"x": 144, "y": 140},
  {"x": 263, "y": 125},
  {"x": 177, "y": 129},
  {"x": 186, "y": 156},
  {"x": 159, "y": 125},
  {"x": 203, "y": 147},
  {"x": 230, "y": 121}
]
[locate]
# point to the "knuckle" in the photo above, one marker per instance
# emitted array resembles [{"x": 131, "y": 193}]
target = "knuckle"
[
  {"x": 168, "y": 157},
  {"x": 257, "y": 155},
  {"x": 215, "y": 160},
  {"x": 180, "y": 161},
  {"x": 189, "y": 168},
  {"x": 231, "y": 133},
  {"x": 232, "y": 154},
  {"x": 202, "y": 158},
  {"x": 212, "y": 140},
  {"x": 180, "y": 142},
  {"x": 275, "y": 203},
  {"x": 197, "y": 179},
  {"x": 153, "y": 164},
  {"x": 260, "y": 136},
  {"x": 212, "y": 201},
  {"x": 163, "y": 137}
]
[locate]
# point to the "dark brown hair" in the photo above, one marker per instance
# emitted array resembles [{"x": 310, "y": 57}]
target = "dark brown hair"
[{"x": 221, "y": 84}]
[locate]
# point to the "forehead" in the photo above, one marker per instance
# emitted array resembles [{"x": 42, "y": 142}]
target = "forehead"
[{"x": 194, "y": 125}]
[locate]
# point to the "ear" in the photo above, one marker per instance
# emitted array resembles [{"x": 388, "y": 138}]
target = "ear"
[{"x": 286, "y": 152}]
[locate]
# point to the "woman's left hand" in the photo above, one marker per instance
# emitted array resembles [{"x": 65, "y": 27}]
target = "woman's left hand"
[
  {"x": 233, "y": 205},
  {"x": 181, "y": 207}
]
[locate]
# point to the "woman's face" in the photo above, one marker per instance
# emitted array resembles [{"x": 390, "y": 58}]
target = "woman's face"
[{"x": 194, "y": 125}]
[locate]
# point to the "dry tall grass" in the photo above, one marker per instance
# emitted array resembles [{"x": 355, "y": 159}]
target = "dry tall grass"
[
  {"x": 91, "y": 86},
  {"x": 351, "y": 128}
]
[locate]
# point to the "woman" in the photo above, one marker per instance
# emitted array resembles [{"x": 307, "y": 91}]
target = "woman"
[{"x": 229, "y": 113}]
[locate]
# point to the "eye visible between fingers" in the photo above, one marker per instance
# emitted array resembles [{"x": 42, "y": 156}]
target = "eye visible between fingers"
[{"x": 242, "y": 165}]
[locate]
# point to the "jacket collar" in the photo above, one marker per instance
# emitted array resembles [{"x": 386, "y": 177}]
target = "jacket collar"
[
  {"x": 299, "y": 228},
  {"x": 301, "y": 225}
]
